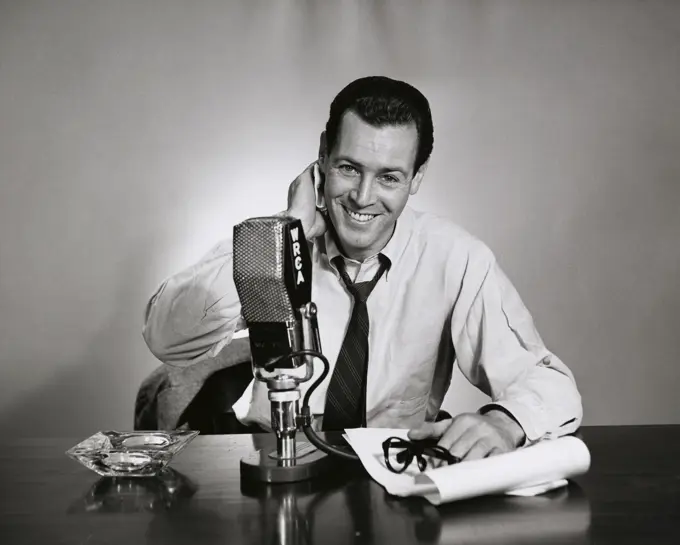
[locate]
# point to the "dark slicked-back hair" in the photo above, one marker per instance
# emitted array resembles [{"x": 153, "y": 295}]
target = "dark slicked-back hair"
[{"x": 381, "y": 101}]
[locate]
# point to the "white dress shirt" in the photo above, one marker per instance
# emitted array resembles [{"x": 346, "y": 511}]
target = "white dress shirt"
[{"x": 444, "y": 300}]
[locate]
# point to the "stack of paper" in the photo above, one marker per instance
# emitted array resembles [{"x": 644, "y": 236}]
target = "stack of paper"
[{"x": 527, "y": 471}]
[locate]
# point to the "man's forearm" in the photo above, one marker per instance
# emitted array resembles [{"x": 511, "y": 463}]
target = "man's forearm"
[
  {"x": 195, "y": 312},
  {"x": 545, "y": 401}
]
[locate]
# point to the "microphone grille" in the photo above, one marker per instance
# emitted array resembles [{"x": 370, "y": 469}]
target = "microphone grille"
[{"x": 259, "y": 260}]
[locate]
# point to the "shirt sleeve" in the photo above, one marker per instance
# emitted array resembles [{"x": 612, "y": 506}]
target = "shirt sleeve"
[
  {"x": 500, "y": 351},
  {"x": 194, "y": 314}
]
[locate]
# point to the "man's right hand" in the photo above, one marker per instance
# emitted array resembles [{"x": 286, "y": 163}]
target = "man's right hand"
[{"x": 302, "y": 202}]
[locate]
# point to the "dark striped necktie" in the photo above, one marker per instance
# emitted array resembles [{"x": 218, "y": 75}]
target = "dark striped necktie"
[{"x": 346, "y": 395}]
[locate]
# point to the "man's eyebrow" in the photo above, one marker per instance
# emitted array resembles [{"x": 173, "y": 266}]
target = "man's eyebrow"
[{"x": 357, "y": 164}]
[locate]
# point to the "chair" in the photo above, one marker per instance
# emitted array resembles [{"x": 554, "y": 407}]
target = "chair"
[
  {"x": 198, "y": 397},
  {"x": 211, "y": 411}
]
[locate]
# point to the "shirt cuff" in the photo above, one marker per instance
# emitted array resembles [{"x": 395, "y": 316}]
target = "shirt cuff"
[{"x": 520, "y": 414}]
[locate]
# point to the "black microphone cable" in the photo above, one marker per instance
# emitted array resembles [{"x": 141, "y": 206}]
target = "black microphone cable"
[{"x": 314, "y": 439}]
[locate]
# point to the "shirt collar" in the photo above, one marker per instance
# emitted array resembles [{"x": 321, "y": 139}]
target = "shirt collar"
[{"x": 393, "y": 249}]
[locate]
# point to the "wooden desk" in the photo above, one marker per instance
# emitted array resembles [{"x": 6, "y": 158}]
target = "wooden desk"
[{"x": 630, "y": 495}]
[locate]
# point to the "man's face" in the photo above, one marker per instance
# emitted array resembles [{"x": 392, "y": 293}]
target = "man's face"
[{"x": 368, "y": 179}]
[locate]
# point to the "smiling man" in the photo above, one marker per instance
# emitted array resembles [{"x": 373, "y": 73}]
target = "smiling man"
[
  {"x": 402, "y": 296},
  {"x": 371, "y": 172}
]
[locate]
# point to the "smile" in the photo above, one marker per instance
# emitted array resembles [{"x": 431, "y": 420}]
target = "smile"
[{"x": 360, "y": 218}]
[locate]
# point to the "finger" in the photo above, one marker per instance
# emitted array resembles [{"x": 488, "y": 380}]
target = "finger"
[
  {"x": 495, "y": 451},
  {"x": 307, "y": 176},
  {"x": 461, "y": 444},
  {"x": 318, "y": 183},
  {"x": 429, "y": 429},
  {"x": 311, "y": 172},
  {"x": 459, "y": 426},
  {"x": 481, "y": 449},
  {"x": 302, "y": 197}
]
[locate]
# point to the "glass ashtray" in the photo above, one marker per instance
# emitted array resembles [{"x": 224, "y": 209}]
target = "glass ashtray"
[{"x": 130, "y": 454}]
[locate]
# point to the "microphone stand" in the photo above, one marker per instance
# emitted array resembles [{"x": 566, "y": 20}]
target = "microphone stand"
[{"x": 289, "y": 460}]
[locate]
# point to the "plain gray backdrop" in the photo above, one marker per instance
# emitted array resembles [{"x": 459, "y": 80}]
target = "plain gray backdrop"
[{"x": 134, "y": 134}]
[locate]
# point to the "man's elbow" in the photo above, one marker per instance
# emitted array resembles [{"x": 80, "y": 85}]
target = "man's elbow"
[
  {"x": 163, "y": 342},
  {"x": 572, "y": 410},
  {"x": 156, "y": 342},
  {"x": 577, "y": 407},
  {"x": 574, "y": 397},
  {"x": 153, "y": 329},
  {"x": 178, "y": 351}
]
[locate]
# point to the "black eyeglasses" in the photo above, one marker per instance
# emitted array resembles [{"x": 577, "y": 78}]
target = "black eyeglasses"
[{"x": 399, "y": 453}]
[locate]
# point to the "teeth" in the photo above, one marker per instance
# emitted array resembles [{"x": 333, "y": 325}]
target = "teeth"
[{"x": 360, "y": 217}]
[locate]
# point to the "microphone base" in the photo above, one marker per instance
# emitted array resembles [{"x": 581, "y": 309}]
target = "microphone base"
[{"x": 263, "y": 465}]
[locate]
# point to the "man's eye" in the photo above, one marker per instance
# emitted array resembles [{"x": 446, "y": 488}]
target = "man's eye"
[
  {"x": 347, "y": 169},
  {"x": 390, "y": 179}
]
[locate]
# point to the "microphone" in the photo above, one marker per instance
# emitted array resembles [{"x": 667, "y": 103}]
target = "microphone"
[{"x": 273, "y": 277}]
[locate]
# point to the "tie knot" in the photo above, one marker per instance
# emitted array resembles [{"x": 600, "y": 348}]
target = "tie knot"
[{"x": 359, "y": 290}]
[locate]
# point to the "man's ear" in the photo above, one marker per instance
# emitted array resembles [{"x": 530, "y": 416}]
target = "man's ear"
[
  {"x": 323, "y": 148},
  {"x": 418, "y": 178}
]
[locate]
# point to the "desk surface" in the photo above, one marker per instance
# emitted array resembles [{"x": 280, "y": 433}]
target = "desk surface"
[{"x": 630, "y": 495}]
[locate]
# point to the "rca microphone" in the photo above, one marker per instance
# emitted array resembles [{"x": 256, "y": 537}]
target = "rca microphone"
[{"x": 273, "y": 277}]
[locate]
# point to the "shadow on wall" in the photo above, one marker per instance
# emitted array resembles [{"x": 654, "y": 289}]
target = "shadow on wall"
[{"x": 98, "y": 391}]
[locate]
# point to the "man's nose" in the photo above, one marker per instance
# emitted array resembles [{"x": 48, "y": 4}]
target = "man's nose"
[{"x": 363, "y": 195}]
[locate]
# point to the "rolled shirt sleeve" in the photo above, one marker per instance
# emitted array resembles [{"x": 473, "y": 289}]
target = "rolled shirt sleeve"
[
  {"x": 194, "y": 314},
  {"x": 500, "y": 351}
]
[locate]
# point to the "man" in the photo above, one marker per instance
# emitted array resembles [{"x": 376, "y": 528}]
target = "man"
[{"x": 432, "y": 294}]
